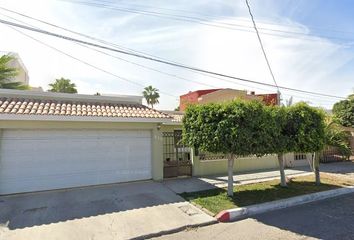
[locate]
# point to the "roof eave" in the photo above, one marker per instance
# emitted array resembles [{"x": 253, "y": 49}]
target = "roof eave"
[
  {"x": 14, "y": 117},
  {"x": 124, "y": 99}
]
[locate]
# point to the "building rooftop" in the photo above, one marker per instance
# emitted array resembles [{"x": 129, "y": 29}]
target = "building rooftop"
[{"x": 27, "y": 103}]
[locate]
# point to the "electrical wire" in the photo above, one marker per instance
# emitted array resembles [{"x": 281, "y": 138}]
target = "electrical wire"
[
  {"x": 158, "y": 60},
  {"x": 230, "y": 26},
  {"x": 132, "y": 50},
  {"x": 209, "y": 17},
  {"x": 86, "y": 63},
  {"x": 261, "y": 44}
]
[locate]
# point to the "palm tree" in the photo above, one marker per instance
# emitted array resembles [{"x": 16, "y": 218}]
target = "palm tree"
[
  {"x": 7, "y": 74},
  {"x": 63, "y": 85},
  {"x": 151, "y": 95}
]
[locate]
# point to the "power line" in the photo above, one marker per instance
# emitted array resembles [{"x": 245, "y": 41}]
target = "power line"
[
  {"x": 130, "y": 50},
  {"x": 158, "y": 60},
  {"x": 198, "y": 20},
  {"x": 121, "y": 47},
  {"x": 301, "y": 97},
  {"x": 216, "y": 17},
  {"x": 86, "y": 63},
  {"x": 119, "y": 58},
  {"x": 298, "y": 96},
  {"x": 261, "y": 44}
]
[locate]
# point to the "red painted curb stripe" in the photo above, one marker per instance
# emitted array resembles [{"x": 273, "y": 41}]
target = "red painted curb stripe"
[{"x": 223, "y": 216}]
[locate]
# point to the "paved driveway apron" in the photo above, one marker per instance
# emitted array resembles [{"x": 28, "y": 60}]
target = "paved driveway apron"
[{"x": 121, "y": 211}]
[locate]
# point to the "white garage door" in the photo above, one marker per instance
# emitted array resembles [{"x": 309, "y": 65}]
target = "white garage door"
[{"x": 34, "y": 160}]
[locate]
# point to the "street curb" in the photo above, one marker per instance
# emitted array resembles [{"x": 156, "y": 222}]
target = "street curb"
[
  {"x": 175, "y": 230},
  {"x": 238, "y": 213}
]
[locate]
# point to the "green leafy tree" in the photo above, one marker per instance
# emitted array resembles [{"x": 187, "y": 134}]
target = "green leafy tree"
[
  {"x": 236, "y": 129},
  {"x": 305, "y": 127},
  {"x": 63, "y": 85},
  {"x": 7, "y": 74},
  {"x": 151, "y": 95},
  {"x": 242, "y": 128},
  {"x": 298, "y": 128},
  {"x": 343, "y": 112}
]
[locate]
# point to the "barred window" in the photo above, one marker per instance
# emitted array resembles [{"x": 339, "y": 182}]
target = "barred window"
[{"x": 300, "y": 156}]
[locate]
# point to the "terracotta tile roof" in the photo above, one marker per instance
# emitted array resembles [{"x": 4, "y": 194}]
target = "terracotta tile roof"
[{"x": 24, "y": 106}]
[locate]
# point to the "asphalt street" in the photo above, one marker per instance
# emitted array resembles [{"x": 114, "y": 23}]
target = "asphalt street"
[{"x": 328, "y": 219}]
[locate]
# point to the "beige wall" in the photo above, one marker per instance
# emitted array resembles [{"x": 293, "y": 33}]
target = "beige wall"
[
  {"x": 226, "y": 95},
  {"x": 218, "y": 167},
  {"x": 22, "y": 73},
  {"x": 156, "y": 141},
  {"x": 170, "y": 128},
  {"x": 215, "y": 167},
  {"x": 289, "y": 160}
]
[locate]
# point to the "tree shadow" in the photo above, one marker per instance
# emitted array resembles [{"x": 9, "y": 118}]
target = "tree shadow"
[{"x": 250, "y": 194}]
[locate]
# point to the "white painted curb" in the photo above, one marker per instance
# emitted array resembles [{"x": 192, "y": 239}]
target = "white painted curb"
[{"x": 237, "y": 213}]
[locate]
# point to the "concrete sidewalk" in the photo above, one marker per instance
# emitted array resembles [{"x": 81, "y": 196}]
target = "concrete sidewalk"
[{"x": 204, "y": 183}]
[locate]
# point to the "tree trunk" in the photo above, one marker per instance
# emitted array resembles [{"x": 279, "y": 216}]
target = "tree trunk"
[
  {"x": 230, "y": 182},
  {"x": 281, "y": 168},
  {"x": 316, "y": 167}
]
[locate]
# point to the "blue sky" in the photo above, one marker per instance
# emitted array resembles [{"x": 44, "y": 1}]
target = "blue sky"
[{"x": 318, "y": 58}]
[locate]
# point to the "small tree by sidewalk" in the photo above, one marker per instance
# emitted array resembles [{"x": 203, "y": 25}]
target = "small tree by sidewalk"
[
  {"x": 298, "y": 128},
  {"x": 306, "y": 128},
  {"x": 237, "y": 128}
]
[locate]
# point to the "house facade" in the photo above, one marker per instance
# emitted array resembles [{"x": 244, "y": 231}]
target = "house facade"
[
  {"x": 52, "y": 141},
  {"x": 17, "y": 63},
  {"x": 56, "y": 140}
]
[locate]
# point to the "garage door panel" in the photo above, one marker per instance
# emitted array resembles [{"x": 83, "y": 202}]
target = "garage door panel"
[{"x": 34, "y": 160}]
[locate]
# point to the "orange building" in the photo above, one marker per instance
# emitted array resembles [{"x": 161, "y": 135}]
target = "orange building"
[{"x": 223, "y": 95}]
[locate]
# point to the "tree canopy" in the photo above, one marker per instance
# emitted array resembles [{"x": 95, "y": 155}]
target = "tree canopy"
[
  {"x": 63, "y": 85},
  {"x": 343, "y": 112},
  {"x": 241, "y": 128},
  {"x": 245, "y": 128},
  {"x": 151, "y": 95},
  {"x": 7, "y": 75}
]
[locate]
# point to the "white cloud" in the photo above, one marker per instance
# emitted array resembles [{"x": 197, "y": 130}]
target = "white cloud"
[{"x": 299, "y": 63}]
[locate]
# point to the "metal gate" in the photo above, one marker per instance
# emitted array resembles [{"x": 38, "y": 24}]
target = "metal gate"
[
  {"x": 176, "y": 156},
  {"x": 332, "y": 154}
]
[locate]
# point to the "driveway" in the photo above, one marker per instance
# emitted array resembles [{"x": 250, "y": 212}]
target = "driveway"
[{"x": 118, "y": 211}]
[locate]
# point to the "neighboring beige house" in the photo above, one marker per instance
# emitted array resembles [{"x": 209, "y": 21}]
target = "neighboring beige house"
[
  {"x": 225, "y": 95},
  {"x": 22, "y": 75},
  {"x": 21, "y": 68}
]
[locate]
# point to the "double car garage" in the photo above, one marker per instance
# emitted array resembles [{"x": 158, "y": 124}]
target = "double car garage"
[{"x": 46, "y": 159}]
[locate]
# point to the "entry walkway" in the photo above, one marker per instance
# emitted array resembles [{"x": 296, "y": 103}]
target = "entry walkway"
[{"x": 194, "y": 184}]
